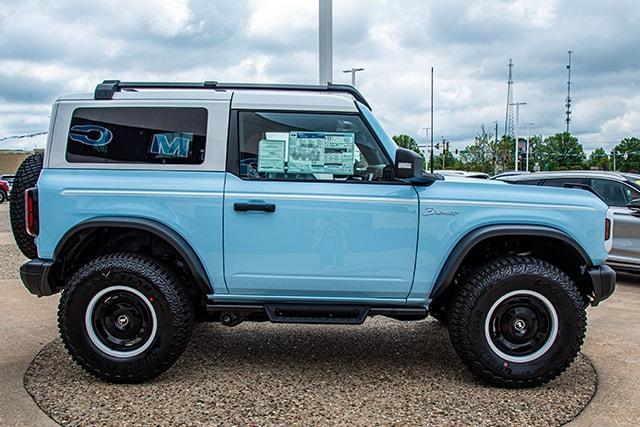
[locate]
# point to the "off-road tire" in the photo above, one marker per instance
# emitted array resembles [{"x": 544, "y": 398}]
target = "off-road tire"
[
  {"x": 482, "y": 289},
  {"x": 163, "y": 290},
  {"x": 26, "y": 177}
]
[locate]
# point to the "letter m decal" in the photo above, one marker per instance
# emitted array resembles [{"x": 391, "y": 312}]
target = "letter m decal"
[{"x": 171, "y": 145}]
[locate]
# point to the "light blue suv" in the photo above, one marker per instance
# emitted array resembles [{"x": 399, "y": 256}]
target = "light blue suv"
[{"x": 156, "y": 205}]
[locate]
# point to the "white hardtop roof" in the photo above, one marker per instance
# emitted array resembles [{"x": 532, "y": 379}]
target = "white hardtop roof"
[{"x": 241, "y": 98}]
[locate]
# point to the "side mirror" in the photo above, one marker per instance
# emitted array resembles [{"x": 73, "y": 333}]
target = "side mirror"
[
  {"x": 409, "y": 164},
  {"x": 634, "y": 206}
]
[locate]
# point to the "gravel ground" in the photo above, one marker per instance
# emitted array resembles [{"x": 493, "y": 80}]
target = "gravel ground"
[
  {"x": 12, "y": 259},
  {"x": 4, "y": 218},
  {"x": 385, "y": 372}
]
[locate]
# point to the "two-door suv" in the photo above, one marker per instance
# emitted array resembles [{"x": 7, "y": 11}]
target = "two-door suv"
[{"x": 156, "y": 205}]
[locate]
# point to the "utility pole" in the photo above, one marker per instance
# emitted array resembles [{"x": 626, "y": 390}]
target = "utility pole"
[
  {"x": 508, "y": 118},
  {"x": 445, "y": 144},
  {"x": 528, "y": 125},
  {"x": 431, "y": 159},
  {"x": 517, "y": 105},
  {"x": 353, "y": 72},
  {"x": 568, "y": 101},
  {"x": 325, "y": 42}
]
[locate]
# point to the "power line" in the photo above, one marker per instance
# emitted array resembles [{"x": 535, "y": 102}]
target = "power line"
[{"x": 28, "y": 135}]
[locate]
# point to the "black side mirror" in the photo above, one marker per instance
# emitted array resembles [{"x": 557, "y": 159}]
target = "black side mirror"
[
  {"x": 634, "y": 205},
  {"x": 409, "y": 164}
]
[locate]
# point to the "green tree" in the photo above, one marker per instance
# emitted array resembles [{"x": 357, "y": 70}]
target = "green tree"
[
  {"x": 599, "y": 159},
  {"x": 478, "y": 157},
  {"x": 451, "y": 162},
  {"x": 628, "y": 155},
  {"x": 405, "y": 141},
  {"x": 537, "y": 152},
  {"x": 504, "y": 153},
  {"x": 562, "y": 151}
]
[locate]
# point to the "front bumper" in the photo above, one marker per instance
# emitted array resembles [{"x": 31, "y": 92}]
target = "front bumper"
[
  {"x": 35, "y": 275},
  {"x": 603, "y": 279}
]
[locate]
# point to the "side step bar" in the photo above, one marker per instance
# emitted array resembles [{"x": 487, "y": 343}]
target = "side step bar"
[
  {"x": 337, "y": 314},
  {"x": 327, "y": 314}
]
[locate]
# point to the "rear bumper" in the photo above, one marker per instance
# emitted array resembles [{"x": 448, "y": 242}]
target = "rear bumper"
[
  {"x": 35, "y": 276},
  {"x": 603, "y": 279}
]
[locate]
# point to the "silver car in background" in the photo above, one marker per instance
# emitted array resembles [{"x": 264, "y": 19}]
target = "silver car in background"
[{"x": 621, "y": 191}]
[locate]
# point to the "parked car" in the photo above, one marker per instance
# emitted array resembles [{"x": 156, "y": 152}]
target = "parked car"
[
  {"x": 509, "y": 173},
  {"x": 4, "y": 191},
  {"x": 465, "y": 174},
  {"x": 9, "y": 179},
  {"x": 288, "y": 203},
  {"x": 620, "y": 191}
]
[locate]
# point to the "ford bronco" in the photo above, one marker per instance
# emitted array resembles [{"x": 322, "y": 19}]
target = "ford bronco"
[{"x": 156, "y": 205}]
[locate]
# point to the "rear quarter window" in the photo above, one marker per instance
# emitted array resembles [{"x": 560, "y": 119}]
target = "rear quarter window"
[{"x": 155, "y": 135}]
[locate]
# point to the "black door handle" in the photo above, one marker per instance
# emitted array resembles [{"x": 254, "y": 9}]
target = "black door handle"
[{"x": 263, "y": 207}]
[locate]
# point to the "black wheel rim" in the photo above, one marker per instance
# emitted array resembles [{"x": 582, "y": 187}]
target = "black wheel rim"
[
  {"x": 521, "y": 325},
  {"x": 122, "y": 321}
]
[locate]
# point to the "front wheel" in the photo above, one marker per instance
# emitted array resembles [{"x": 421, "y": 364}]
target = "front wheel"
[
  {"x": 517, "y": 322},
  {"x": 125, "y": 318},
  {"x": 3, "y": 196}
]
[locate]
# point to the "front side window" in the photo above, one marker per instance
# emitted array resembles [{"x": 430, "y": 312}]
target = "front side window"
[
  {"x": 614, "y": 193},
  {"x": 157, "y": 135},
  {"x": 309, "y": 147}
]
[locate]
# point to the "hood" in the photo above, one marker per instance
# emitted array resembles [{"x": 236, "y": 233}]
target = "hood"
[{"x": 499, "y": 192}]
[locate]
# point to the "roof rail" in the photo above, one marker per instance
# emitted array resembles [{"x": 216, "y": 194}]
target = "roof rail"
[{"x": 107, "y": 88}]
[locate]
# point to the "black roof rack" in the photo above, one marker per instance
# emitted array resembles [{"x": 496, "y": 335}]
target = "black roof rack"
[{"x": 107, "y": 88}]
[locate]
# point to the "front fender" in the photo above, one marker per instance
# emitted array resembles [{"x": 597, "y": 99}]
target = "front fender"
[{"x": 474, "y": 237}]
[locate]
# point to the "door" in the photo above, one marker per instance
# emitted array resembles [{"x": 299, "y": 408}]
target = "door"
[
  {"x": 626, "y": 226},
  {"x": 311, "y": 210}
]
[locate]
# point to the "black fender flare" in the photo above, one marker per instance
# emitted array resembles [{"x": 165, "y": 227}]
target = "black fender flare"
[
  {"x": 472, "y": 238},
  {"x": 173, "y": 238}
]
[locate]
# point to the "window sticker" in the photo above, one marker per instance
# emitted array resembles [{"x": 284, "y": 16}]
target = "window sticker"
[
  {"x": 271, "y": 156},
  {"x": 171, "y": 145},
  {"x": 321, "y": 152}
]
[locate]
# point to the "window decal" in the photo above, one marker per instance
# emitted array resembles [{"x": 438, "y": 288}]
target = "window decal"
[
  {"x": 321, "y": 152},
  {"x": 96, "y": 136},
  {"x": 171, "y": 145},
  {"x": 271, "y": 156}
]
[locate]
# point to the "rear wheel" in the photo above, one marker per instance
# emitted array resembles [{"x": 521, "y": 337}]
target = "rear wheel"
[
  {"x": 26, "y": 177},
  {"x": 125, "y": 318},
  {"x": 517, "y": 322},
  {"x": 3, "y": 196}
]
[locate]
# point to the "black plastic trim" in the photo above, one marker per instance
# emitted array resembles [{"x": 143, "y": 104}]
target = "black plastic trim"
[
  {"x": 108, "y": 88},
  {"x": 603, "y": 279},
  {"x": 35, "y": 276},
  {"x": 164, "y": 232},
  {"x": 471, "y": 239}
]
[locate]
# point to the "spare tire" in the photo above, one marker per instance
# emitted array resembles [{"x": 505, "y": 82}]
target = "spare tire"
[{"x": 26, "y": 177}]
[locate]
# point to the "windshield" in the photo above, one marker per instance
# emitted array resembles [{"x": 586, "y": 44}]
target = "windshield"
[{"x": 387, "y": 142}]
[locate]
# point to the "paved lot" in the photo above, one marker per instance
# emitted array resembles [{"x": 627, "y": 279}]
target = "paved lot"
[{"x": 612, "y": 344}]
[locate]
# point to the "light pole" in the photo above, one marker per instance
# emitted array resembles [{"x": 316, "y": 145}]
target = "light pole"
[
  {"x": 517, "y": 104},
  {"x": 353, "y": 72},
  {"x": 528, "y": 125},
  {"x": 325, "y": 42}
]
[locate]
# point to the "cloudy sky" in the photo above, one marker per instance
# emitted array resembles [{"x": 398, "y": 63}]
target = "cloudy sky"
[{"x": 52, "y": 47}]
